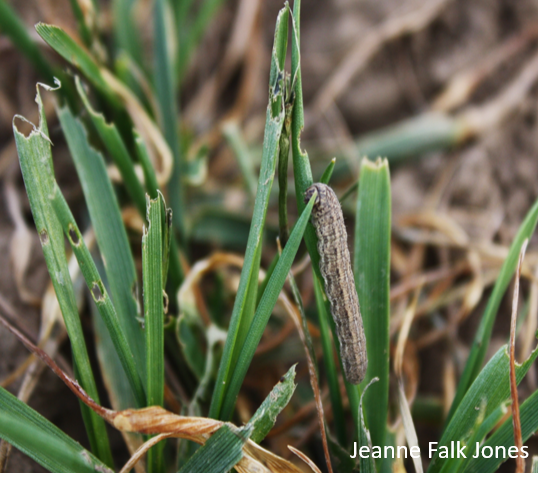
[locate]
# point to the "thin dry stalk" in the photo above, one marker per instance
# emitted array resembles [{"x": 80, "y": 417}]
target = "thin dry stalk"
[
  {"x": 413, "y": 21},
  {"x": 520, "y": 461}
]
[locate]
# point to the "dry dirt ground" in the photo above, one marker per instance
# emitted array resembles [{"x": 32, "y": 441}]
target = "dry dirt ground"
[{"x": 484, "y": 185}]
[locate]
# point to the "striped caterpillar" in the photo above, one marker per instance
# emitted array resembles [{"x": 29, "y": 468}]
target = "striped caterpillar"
[{"x": 336, "y": 270}]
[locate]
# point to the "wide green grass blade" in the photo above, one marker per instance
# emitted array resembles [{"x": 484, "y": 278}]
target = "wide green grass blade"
[
  {"x": 99, "y": 293},
  {"x": 39, "y": 439},
  {"x": 115, "y": 145},
  {"x": 249, "y": 275},
  {"x": 416, "y": 136},
  {"x": 504, "y": 436},
  {"x": 35, "y": 157},
  {"x": 483, "y": 335},
  {"x": 492, "y": 387},
  {"x": 153, "y": 288},
  {"x": 372, "y": 276},
  {"x": 62, "y": 43},
  {"x": 481, "y": 429},
  {"x": 267, "y": 302},
  {"x": 108, "y": 226},
  {"x": 14, "y": 28},
  {"x": 166, "y": 94},
  {"x": 220, "y": 453}
]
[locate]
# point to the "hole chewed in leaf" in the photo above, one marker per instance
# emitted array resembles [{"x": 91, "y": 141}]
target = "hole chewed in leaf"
[
  {"x": 74, "y": 236},
  {"x": 44, "y": 239},
  {"x": 97, "y": 292},
  {"x": 166, "y": 302}
]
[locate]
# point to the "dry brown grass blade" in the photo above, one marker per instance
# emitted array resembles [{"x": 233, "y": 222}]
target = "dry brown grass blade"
[
  {"x": 404, "y": 331},
  {"x": 411, "y": 22},
  {"x": 520, "y": 461},
  {"x": 305, "y": 458},
  {"x": 155, "y": 420},
  {"x": 142, "y": 450},
  {"x": 479, "y": 120},
  {"x": 21, "y": 243},
  {"x": 463, "y": 84},
  {"x": 157, "y": 147}
]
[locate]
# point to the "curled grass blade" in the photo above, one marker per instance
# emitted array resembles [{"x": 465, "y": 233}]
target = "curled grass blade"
[
  {"x": 367, "y": 464},
  {"x": 39, "y": 439},
  {"x": 372, "y": 276},
  {"x": 241, "y": 315},
  {"x": 35, "y": 156}
]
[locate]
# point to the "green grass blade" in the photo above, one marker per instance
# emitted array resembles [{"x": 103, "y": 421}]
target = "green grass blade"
[
  {"x": 189, "y": 37},
  {"x": 372, "y": 276},
  {"x": 492, "y": 386},
  {"x": 39, "y": 439},
  {"x": 482, "y": 428},
  {"x": 118, "y": 151},
  {"x": 267, "y": 302},
  {"x": 166, "y": 94},
  {"x": 126, "y": 31},
  {"x": 84, "y": 30},
  {"x": 264, "y": 418},
  {"x": 328, "y": 172},
  {"x": 416, "y": 136},
  {"x": 14, "y": 28},
  {"x": 220, "y": 453},
  {"x": 153, "y": 288},
  {"x": 483, "y": 335},
  {"x": 35, "y": 157},
  {"x": 62, "y": 43},
  {"x": 329, "y": 363},
  {"x": 273, "y": 127},
  {"x": 108, "y": 226},
  {"x": 99, "y": 293},
  {"x": 504, "y": 436},
  {"x": 232, "y": 134}
]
